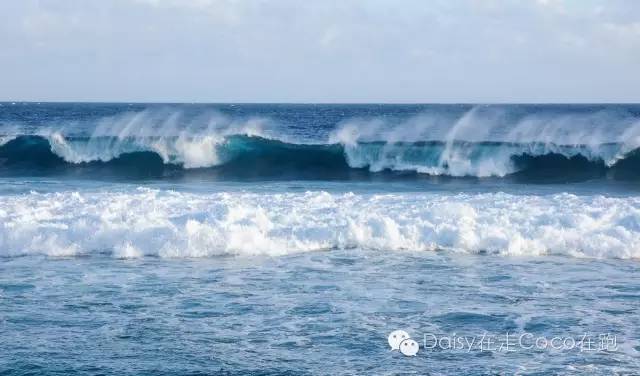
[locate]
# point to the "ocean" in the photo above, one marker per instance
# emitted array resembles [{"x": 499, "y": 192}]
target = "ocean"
[{"x": 293, "y": 239}]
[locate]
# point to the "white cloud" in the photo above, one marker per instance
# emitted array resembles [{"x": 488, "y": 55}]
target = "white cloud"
[{"x": 324, "y": 50}]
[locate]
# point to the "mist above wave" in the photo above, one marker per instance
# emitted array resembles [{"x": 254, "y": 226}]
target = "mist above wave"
[
  {"x": 193, "y": 144},
  {"x": 481, "y": 141},
  {"x": 605, "y": 136}
]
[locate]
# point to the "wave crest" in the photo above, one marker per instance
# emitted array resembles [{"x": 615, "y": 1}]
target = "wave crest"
[
  {"x": 484, "y": 141},
  {"x": 256, "y": 156}
]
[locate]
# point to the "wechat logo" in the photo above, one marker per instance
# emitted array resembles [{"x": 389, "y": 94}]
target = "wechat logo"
[{"x": 400, "y": 340}]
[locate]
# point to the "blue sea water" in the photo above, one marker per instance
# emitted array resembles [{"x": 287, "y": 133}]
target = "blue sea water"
[{"x": 292, "y": 239}]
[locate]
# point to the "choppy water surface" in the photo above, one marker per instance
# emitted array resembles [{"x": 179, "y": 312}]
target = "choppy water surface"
[
  {"x": 292, "y": 239},
  {"x": 312, "y": 313}
]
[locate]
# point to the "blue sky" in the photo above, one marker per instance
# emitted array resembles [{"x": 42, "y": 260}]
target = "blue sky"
[{"x": 320, "y": 51}]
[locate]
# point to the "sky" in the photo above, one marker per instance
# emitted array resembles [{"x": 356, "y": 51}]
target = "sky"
[{"x": 324, "y": 51}]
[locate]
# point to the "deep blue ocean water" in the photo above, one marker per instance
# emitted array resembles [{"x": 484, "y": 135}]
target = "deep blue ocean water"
[{"x": 292, "y": 239}]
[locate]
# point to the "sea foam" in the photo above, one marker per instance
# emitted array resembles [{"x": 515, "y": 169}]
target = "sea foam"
[{"x": 176, "y": 224}]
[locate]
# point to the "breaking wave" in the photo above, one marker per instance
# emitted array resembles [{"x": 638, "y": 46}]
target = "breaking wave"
[
  {"x": 483, "y": 141},
  {"x": 240, "y": 155},
  {"x": 149, "y": 222}
]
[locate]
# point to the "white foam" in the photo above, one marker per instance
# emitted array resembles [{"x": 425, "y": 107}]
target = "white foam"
[
  {"x": 8, "y": 133},
  {"x": 5, "y": 139},
  {"x": 174, "y": 224}
]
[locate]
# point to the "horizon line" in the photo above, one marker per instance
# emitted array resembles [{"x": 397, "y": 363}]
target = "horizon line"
[{"x": 14, "y": 102}]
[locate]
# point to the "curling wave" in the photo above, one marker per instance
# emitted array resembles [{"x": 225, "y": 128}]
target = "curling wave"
[{"x": 243, "y": 155}]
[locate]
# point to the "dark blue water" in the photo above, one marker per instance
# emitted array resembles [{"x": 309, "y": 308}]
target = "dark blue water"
[
  {"x": 292, "y": 239},
  {"x": 522, "y": 143}
]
